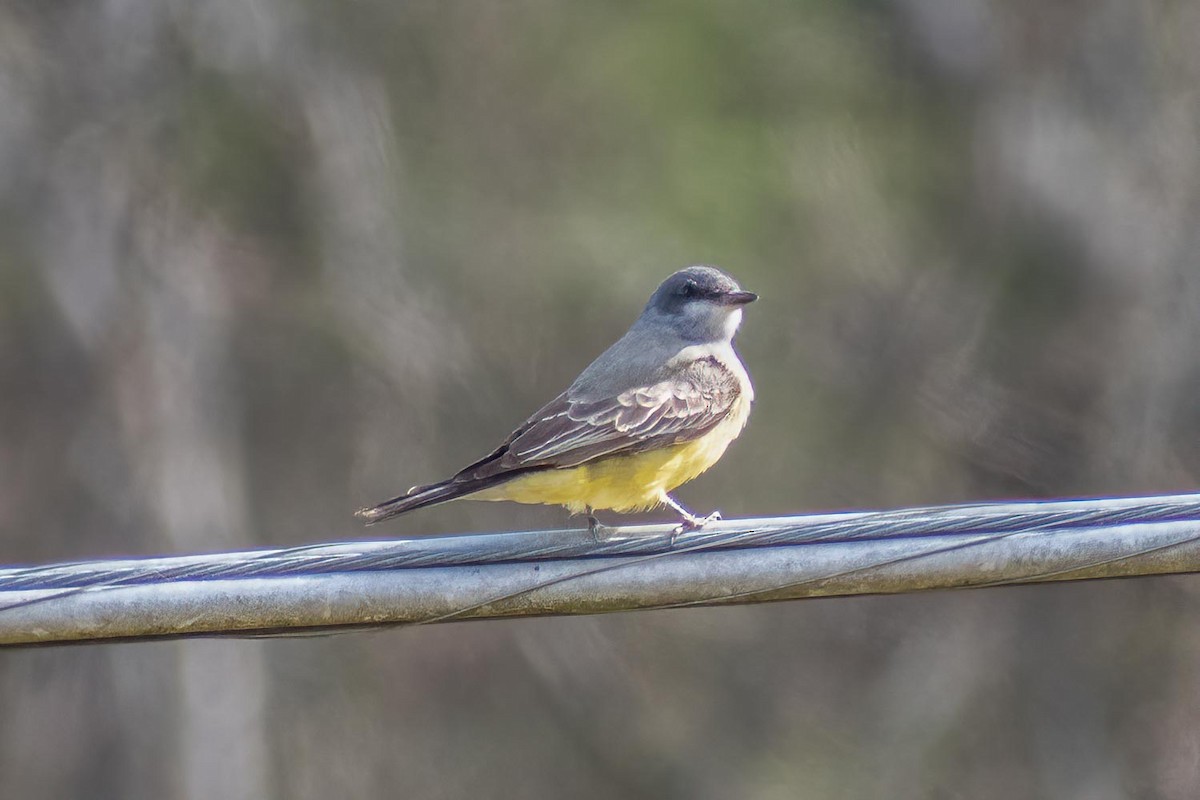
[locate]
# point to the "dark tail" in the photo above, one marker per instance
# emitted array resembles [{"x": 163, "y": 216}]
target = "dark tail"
[
  {"x": 416, "y": 497},
  {"x": 421, "y": 496}
]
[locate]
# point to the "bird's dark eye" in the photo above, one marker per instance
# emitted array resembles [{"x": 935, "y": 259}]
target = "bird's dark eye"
[{"x": 690, "y": 289}]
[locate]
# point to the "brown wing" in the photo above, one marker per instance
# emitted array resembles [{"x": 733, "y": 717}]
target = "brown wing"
[{"x": 568, "y": 432}]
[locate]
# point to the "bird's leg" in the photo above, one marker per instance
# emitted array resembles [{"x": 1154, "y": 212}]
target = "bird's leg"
[
  {"x": 595, "y": 527},
  {"x": 690, "y": 521}
]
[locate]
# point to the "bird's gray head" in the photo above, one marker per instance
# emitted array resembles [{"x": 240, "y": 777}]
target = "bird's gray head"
[{"x": 702, "y": 304}]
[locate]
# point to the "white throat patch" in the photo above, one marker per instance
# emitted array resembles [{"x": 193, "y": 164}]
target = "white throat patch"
[{"x": 732, "y": 321}]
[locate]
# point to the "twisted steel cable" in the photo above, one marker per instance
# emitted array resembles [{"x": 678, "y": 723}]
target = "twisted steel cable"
[{"x": 335, "y": 586}]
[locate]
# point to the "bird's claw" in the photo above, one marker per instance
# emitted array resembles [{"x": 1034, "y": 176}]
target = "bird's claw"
[
  {"x": 597, "y": 529},
  {"x": 693, "y": 523}
]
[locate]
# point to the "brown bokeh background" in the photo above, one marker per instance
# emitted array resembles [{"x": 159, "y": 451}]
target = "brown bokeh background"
[{"x": 264, "y": 262}]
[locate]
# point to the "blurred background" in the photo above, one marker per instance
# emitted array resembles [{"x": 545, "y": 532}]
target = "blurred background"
[{"x": 264, "y": 262}]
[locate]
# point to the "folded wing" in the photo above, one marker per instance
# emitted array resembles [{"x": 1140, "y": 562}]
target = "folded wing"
[{"x": 567, "y": 432}]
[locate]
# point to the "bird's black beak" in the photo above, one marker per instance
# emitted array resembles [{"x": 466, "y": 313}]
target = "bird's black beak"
[{"x": 738, "y": 298}]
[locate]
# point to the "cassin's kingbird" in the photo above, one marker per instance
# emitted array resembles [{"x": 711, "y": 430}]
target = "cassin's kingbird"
[{"x": 655, "y": 410}]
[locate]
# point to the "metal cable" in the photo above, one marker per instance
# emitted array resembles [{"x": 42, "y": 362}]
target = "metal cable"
[
  {"x": 339, "y": 585},
  {"x": 481, "y": 549}
]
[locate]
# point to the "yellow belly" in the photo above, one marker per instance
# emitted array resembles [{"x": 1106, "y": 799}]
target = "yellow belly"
[{"x": 622, "y": 483}]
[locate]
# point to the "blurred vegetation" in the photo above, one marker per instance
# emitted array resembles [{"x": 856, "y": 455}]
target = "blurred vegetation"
[{"x": 262, "y": 263}]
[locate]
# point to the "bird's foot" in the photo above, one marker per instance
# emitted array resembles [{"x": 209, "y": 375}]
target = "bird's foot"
[
  {"x": 693, "y": 523},
  {"x": 597, "y": 529}
]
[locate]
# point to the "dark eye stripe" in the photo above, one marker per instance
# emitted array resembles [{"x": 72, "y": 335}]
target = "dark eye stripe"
[{"x": 692, "y": 289}]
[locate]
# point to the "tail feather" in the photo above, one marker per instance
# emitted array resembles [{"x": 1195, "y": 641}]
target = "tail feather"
[
  {"x": 416, "y": 497},
  {"x": 421, "y": 496}
]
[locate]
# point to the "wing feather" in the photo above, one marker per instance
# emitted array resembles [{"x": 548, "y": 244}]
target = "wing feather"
[{"x": 569, "y": 431}]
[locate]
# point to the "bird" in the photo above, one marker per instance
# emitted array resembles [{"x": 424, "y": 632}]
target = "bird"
[{"x": 653, "y": 411}]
